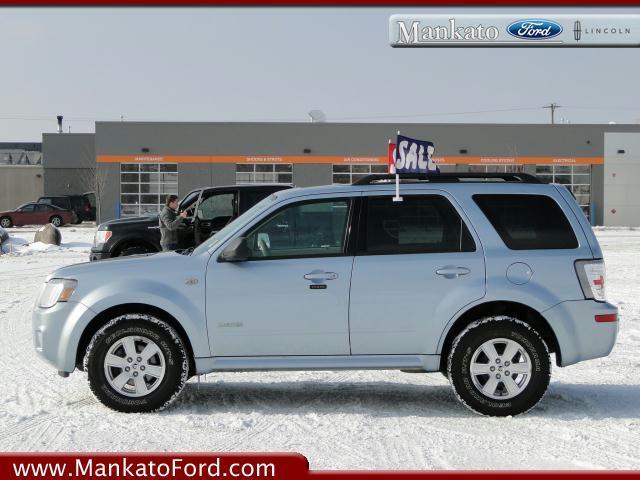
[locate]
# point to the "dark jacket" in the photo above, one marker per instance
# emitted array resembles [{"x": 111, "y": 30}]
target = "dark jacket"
[{"x": 169, "y": 223}]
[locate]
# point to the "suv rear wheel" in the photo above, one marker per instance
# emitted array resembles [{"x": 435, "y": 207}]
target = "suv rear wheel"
[
  {"x": 136, "y": 363},
  {"x": 499, "y": 366}
]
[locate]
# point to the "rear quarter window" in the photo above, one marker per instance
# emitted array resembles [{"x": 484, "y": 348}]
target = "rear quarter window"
[{"x": 528, "y": 222}]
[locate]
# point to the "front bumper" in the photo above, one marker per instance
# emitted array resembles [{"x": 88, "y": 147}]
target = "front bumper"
[
  {"x": 98, "y": 255},
  {"x": 579, "y": 336},
  {"x": 57, "y": 331}
]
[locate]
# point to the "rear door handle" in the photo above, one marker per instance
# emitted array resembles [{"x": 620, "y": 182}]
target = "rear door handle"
[
  {"x": 318, "y": 276},
  {"x": 452, "y": 271}
]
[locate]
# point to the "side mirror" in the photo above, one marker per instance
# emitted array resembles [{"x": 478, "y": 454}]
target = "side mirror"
[{"x": 236, "y": 251}]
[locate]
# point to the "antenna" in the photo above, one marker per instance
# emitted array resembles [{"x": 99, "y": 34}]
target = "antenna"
[{"x": 317, "y": 116}]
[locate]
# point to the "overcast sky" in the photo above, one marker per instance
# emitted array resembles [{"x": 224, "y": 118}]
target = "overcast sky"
[{"x": 246, "y": 64}]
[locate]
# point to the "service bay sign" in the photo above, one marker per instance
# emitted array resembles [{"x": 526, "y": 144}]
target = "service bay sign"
[{"x": 414, "y": 156}]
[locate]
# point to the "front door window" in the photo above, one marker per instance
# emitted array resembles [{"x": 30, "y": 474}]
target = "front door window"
[{"x": 303, "y": 230}]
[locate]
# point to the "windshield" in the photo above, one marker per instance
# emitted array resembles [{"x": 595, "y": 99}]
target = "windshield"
[{"x": 221, "y": 234}]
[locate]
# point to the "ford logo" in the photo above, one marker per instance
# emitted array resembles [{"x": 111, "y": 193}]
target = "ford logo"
[{"x": 534, "y": 29}]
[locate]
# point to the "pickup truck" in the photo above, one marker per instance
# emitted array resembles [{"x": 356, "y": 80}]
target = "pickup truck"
[{"x": 209, "y": 210}]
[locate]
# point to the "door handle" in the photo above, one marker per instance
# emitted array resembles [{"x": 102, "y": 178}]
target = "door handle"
[
  {"x": 451, "y": 271},
  {"x": 318, "y": 276}
]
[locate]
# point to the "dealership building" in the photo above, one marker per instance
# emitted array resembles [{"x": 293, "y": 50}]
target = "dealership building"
[{"x": 134, "y": 165}]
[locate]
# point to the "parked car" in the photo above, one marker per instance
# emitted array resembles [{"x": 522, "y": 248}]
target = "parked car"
[
  {"x": 210, "y": 209},
  {"x": 36, "y": 214},
  {"x": 478, "y": 279},
  {"x": 78, "y": 203}
]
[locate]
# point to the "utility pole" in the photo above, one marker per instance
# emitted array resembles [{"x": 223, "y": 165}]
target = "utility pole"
[{"x": 552, "y": 107}]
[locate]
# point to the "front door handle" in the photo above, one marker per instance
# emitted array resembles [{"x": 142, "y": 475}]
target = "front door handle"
[
  {"x": 319, "y": 276},
  {"x": 451, "y": 271}
]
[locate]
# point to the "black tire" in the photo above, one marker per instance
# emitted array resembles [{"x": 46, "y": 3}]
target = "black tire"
[
  {"x": 467, "y": 344},
  {"x": 134, "y": 250},
  {"x": 6, "y": 222},
  {"x": 171, "y": 346},
  {"x": 56, "y": 221}
]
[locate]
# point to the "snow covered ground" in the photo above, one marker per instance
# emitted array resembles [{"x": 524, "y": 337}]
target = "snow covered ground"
[{"x": 589, "y": 419}]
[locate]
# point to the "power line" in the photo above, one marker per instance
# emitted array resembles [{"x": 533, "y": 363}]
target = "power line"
[{"x": 436, "y": 114}]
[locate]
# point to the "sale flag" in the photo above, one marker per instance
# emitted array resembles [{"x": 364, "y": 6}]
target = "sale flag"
[{"x": 414, "y": 156}]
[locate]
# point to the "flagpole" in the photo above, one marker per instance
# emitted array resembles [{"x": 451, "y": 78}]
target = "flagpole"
[{"x": 397, "y": 198}]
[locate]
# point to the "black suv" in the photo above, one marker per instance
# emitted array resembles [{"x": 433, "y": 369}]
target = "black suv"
[
  {"x": 79, "y": 204},
  {"x": 209, "y": 210}
]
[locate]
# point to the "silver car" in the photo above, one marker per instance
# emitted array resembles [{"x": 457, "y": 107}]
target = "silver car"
[{"x": 478, "y": 277}]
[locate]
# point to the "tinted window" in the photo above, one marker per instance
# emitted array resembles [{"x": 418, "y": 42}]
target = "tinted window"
[
  {"x": 77, "y": 202},
  {"x": 418, "y": 224},
  {"x": 30, "y": 207},
  {"x": 248, "y": 198},
  {"x": 61, "y": 202},
  {"x": 43, "y": 208},
  {"x": 217, "y": 206},
  {"x": 528, "y": 222},
  {"x": 302, "y": 230}
]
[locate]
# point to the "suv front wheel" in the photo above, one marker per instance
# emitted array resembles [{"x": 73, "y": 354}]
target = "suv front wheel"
[
  {"x": 136, "y": 363},
  {"x": 499, "y": 366}
]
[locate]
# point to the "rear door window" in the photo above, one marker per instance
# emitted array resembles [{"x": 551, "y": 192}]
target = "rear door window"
[
  {"x": 249, "y": 198},
  {"x": 528, "y": 222},
  {"x": 418, "y": 224},
  {"x": 30, "y": 207}
]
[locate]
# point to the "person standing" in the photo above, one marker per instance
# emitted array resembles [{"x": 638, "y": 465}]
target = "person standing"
[{"x": 170, "y": 221}]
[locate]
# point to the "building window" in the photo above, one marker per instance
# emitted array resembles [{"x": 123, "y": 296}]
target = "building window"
[
  {"x": 576, "y": 178},
  {"x": 347, "y": 174},
  {"x": 496, "y": 168},
  {"x": 264, "y": 173},
  {"x": 144, "y": 187}
]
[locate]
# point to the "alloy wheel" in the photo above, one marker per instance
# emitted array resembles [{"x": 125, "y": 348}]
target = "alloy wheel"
[
  {"x": 500, "y": 368},
  {"x": 134, "y": 366}
]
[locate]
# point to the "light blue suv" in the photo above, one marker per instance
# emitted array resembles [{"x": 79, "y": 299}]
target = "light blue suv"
[{"x": 479, "y": 277}]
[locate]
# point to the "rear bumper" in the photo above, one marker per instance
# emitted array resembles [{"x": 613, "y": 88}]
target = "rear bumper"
[{"x": 579, "y": 336}]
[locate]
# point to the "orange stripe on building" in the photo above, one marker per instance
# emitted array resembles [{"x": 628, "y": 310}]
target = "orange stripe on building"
[{"x": 351, "y": 160}]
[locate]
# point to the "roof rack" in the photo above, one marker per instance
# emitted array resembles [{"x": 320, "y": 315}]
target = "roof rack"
[{"x": 449, "y": 178}]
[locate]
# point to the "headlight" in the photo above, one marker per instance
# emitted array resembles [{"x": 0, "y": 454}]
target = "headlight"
[
  {"x": 101, "y": 237},
  {"x": 56, "y": 290}
]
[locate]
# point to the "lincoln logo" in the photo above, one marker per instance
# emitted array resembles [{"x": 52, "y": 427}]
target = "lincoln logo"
[
  {"x": 577, "y": 30},
  {"x": 534, "y": 29}
]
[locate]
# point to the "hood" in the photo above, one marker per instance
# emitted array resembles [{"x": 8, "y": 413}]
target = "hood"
[
  {"x": 123, "y": 266},
  {"x": 150, "y": 220}
]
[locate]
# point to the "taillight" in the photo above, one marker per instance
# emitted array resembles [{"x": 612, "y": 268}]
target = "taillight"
[{"x": 592, "y": 277}]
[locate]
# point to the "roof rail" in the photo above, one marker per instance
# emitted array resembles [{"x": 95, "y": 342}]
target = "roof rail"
[{"x": 449, "y": 178}]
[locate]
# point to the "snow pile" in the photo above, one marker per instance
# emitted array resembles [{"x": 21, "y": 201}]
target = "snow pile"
[{"x": 74, "y": 239}]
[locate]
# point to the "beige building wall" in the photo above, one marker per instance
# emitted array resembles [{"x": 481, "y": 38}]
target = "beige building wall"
[
  {"x": 622, "y": 179},
  {"x": 20, "y": 184}
]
